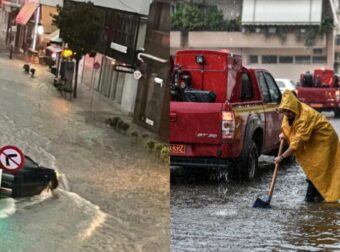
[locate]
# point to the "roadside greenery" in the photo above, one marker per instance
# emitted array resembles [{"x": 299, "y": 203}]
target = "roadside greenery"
[
  {"x": 198, "y": 17},
  {"x": 159, "y": 148},
  {"x": 194, "y": 17},
  {"x": 80, "y": 25},
  {"x": 307, "y": 34}
]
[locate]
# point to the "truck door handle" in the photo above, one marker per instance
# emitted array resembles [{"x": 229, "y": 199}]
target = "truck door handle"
[{"x": 173, "y": 117}]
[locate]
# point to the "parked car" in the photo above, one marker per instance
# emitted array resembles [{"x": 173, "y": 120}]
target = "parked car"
[
  {"x": 285, "y": 84},
  {"x": 31, "y": 180}
]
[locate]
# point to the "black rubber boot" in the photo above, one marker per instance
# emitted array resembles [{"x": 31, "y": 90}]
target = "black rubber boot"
[{"x": 312, "y": 194}]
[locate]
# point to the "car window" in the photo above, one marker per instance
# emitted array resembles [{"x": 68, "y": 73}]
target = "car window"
[
  {"x": 280, "y": 84},
  {"x": 293, "y": 84},
  {"x": 247, "y": 88},
  {"x": 263, "y": 86},
  {"x": 274, "y": 92}
]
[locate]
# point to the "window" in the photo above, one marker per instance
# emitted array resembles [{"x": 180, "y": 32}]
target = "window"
[
  {"x": 263, "y": 86},
  {"x": 286, "y": 59},
  {"x": 302, "y": 59},
  {"x": 317, "y": 51},
  {"x": 275, "y": 93},
  {"x": 281, "y": 84},
  {"x": 253, "y": 59},
  {"x": 272, "y": 30},
  {"x": 337, "y": 57},
  {"x": 247, "y": 88},
  {"x": 319, "y": 59},
  {"x": 337, "y": 40},
  {"x": 269, "y": 59}
]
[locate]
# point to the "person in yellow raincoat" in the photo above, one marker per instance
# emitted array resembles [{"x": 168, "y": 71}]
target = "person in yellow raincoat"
[{"x": 315, "y": 144}]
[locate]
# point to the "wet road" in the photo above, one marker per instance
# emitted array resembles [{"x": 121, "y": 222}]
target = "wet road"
[
  {"x": 207, "y": 215},
  {"x": 119, "y": 193}
]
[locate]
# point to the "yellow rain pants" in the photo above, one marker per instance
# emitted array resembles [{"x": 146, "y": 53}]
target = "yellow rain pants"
[{"x": 315, "y": 144}]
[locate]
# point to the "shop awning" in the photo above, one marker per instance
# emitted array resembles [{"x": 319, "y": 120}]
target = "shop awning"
[
  {"x": 281, "y": 12},
  {"x": 26, "y": 13},
  {"x": 54, "y": 36}
]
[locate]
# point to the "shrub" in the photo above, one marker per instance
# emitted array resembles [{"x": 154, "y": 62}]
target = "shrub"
[{"x": 150, "y": 144}]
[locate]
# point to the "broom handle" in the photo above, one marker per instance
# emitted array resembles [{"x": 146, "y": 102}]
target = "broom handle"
[{"x": 271, "y": 189}]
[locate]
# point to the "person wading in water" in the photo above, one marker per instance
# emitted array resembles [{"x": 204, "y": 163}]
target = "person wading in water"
[{"x": 315, "y": 144}]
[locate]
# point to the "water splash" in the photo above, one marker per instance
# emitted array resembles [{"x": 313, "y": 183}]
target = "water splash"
[{"x": 8, "y": 207}]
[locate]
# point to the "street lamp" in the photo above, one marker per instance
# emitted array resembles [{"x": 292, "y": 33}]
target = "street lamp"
[{"x": 40, "y": 29}]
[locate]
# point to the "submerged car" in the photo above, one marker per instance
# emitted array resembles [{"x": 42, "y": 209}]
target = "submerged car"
[
  {"x": 31, "y": 180},
  {"x": 285, "y": 84}
]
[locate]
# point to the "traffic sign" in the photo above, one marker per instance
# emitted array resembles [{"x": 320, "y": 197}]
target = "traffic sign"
[
  {"x": 137, "y": 74},
  {"x": 96, "y": 65},
  {"x": 11, "y": 158}
]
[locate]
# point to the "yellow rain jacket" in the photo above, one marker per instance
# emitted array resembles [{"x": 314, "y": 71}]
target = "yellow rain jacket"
[{"x": 315, "y": 144}]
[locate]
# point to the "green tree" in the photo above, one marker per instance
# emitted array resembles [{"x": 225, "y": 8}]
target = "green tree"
[
  {"x": 213, "y": 20},
  {"x": 188, "y": 17},
  {"x": 81, "y": 25}
]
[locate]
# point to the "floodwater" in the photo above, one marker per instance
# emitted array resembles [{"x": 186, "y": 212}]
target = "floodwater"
[
  {"x": 210, "y": 215},
  {"x": 116, "y": 194}
]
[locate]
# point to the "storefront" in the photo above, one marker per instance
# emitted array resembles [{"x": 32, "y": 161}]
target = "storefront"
[
  {"x": 116, "y": 57},
  {"x": 8, "y": 12},
  {"x": 27, "y": 22}
]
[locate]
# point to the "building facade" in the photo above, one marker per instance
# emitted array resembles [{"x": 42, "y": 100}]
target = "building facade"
[
  {"x": 8, "y": 12},
  {"x": 285, "y": 37},
  {"x": 123, "y": 35},
  {"x": 152, "y": 103}
]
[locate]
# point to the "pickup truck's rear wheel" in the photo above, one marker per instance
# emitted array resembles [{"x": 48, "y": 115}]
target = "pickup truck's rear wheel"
[{"x": 249, "y": 166}]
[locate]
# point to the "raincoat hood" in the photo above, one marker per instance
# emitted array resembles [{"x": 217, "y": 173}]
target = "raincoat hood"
[
  {"x": 315, "y": 145},
  {"x": 290, "y": 102}
]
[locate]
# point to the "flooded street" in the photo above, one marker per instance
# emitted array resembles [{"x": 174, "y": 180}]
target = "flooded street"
[
  {"x": 117, "y": 194},
  {"x": 207, "y": 215}
]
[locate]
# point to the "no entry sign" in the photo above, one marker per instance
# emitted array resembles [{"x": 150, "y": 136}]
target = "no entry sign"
[
  {"x": 11, "y": 158},
  {"x": 96, "y": 65}
]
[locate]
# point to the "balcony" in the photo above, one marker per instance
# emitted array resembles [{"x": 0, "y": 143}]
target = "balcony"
[{"x": 240, "y": 40}]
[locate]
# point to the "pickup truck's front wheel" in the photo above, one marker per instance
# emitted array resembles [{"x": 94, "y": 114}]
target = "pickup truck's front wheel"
[{"x": 249, "y": 166}]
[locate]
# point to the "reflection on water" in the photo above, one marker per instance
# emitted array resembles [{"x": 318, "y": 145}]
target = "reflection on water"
[{"x": 318, "y": 225}]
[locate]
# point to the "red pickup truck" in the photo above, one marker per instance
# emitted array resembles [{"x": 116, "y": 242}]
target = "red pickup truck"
[
  {"x": 320, "y": 90},
  {"x": 222, "y": 114}
]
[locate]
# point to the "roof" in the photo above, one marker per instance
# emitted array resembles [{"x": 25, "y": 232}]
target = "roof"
[{"x": 281, "y": 12}]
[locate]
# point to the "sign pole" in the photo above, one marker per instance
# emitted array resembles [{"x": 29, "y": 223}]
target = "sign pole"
[{"x": 96, "y": 66}]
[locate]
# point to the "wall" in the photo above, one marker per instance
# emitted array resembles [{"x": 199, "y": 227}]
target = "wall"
[
  {"x": 46, "y": 19},
  {"x": 52, "y": 2},
  {"x": 129, "y": 93}
]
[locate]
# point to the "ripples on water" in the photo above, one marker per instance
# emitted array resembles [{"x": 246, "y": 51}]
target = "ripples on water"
[
  {"x": 61, "y": 221},
  {"x": 207, "y": 215}
]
